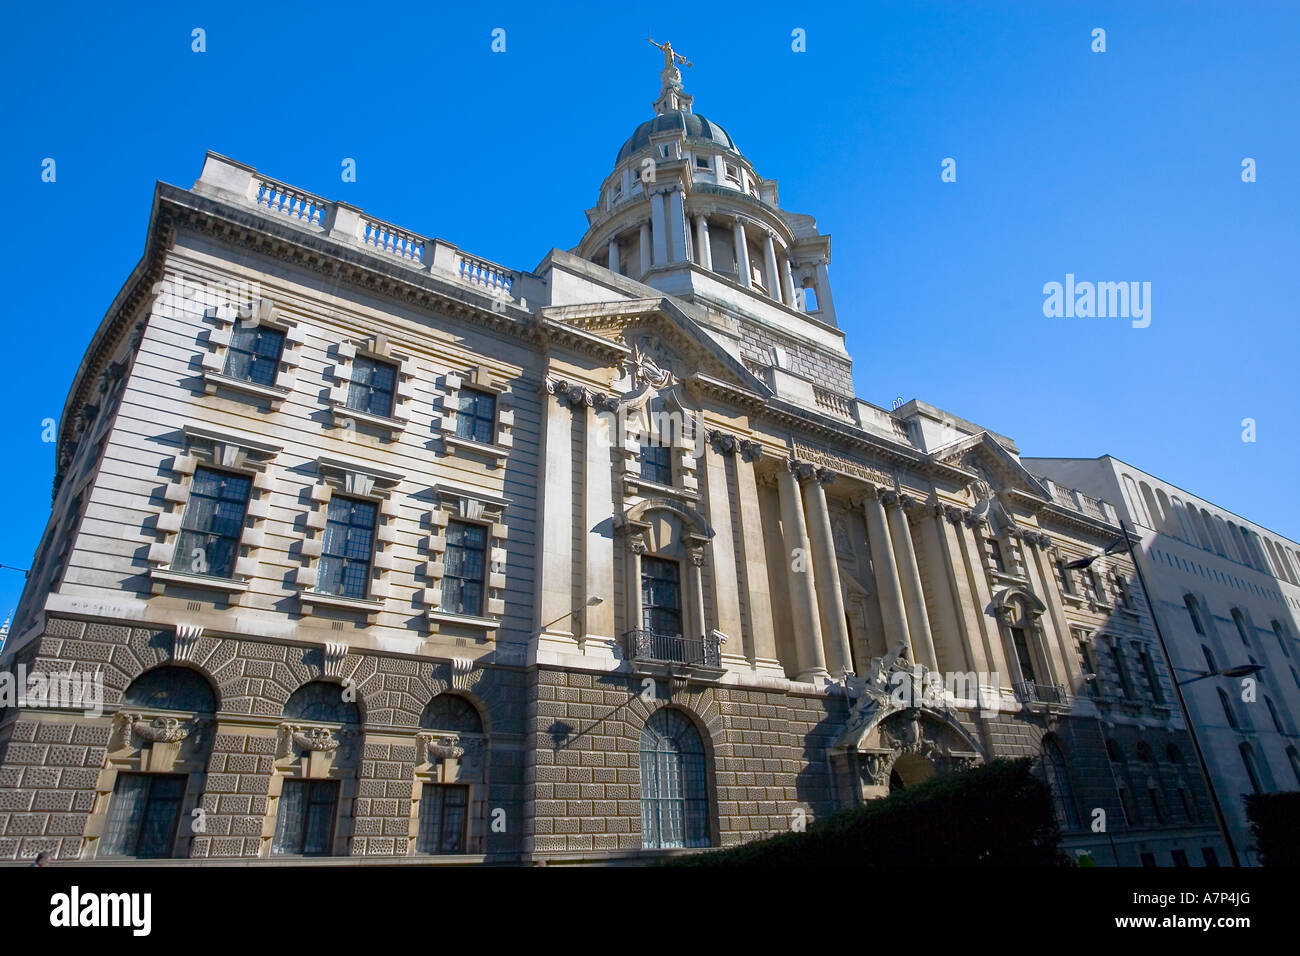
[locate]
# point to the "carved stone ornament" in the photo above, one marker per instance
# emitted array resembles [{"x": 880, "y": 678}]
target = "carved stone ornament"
[
  {"x": 579, "y": 396},
  {"x": 439, "y": 747},
  {"x": 167, "y": 730},
  {"x": 318, "y": 739}
]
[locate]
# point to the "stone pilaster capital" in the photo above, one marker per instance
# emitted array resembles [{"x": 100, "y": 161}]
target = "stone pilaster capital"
[
  {"x": 751, "y": 450},
  {"x": 907, "y": 502},
  {"x": 954, "y": 514},
  {"x": 697, "y": 557},
  {"x": 889, "y": 498},
  {"x": 636, "y": 544},
  {"x": 825, "y": 476},
  {"x": 802, "y": 470},
  {"x": 578, "y": 396}
]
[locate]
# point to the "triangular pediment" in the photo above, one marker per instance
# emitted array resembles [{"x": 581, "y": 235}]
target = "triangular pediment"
[
  {"x": 659, "y": 330},
  {"x": 984, "y": 456}
]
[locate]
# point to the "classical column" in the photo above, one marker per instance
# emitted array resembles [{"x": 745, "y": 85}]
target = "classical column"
[
  {"x": 703, "y": 253},
  {"x": 758, "y": 602},
  {"x": 742, "y": 255},
  {"x": 825, "y": 305},
  {"x": 659, "y": 227},
  {"x": 773, "y": 277},
  {"x": 645, "y": 247},
  {"x": 830, "y": 600},
  {"x": 598, "y": 505},
  {"x": 787, "y": 283},
  {"x": 726, "y": 578},
  {"x": 636, "y": 547},
  {"x": 909, "y": 575},
  {"x": 555, "y": 501},
  {"x": 677, "y": 226},
  {"x": 803, "y": 595},
  {"x": 948, "y": 627},
  {"x": 885, "y": 571},
  {"x": 613, "y": 254},
  {"x": 696, "y": 571},
  {"x": 1061, "y": 652},
  {"x": 990, "y": 647}
]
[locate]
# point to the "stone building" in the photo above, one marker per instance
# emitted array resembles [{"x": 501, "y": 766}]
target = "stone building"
[
  {"x": 380, "y": 549},
  {"x": 1226, "y": 593}
]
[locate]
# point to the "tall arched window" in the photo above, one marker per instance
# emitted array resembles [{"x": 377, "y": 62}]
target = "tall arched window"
[
  {"x": 1248, "y": 760},
  {"x": 1294, "y": 759},
  {"x": 1272, "y": 712},
  {"x": 1280, "y": 633},
  {"x": 1058, "y": 780},
  {"x": 1240, "y": 620},
  {"x": 1195, "y": 611},
  {"x": 1210, "y": 662},
  {"x": 307, "y": 812},
  {"x": 1227, "y": 709},
  {"x": 674, "y": 784}
]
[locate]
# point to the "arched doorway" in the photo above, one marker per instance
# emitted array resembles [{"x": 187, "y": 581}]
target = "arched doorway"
[{"x": 909, "y": 770}]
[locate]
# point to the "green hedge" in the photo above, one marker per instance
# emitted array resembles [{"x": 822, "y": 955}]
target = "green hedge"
[
  {"x": 999, "y": 814},
  {"x": 1273, "y": 823}
]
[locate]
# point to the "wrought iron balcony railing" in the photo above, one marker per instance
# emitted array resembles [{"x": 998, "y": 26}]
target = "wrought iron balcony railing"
[
  {"x": 1033, "y": 693},
  {"x": 647, "y": 645}
]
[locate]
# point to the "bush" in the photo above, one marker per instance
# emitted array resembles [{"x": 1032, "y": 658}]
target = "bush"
[
  {"x": 1273, "y": 824},
  {"x": 999, "y": 814}
]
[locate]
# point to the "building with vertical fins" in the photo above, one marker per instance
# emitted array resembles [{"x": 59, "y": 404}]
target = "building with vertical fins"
[{"x": 384, "y": 550}]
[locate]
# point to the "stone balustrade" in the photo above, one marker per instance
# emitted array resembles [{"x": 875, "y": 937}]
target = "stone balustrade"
[{"x": 227, "y": 179}]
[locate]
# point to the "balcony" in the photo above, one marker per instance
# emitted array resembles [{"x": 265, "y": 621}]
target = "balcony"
[
  {"x": 1049, "y": 695},
  {"x": 674, "y": 655}
]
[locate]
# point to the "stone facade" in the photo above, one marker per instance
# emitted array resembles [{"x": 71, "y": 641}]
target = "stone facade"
[{"x": 550, "y": 565}]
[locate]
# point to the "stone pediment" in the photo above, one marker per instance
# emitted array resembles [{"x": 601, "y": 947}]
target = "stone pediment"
[
  {"x": 652, "y": 336},
  {"x": 993, "y": 466}
]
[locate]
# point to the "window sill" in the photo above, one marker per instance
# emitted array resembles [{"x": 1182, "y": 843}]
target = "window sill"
[
  {"x": 385, "y": 423},
  {"x": 486, "y": 624},
  {"x": 271, "y": 393},
  {"x": 497, "y": 453},
  {"x": 164, "y": 576},
  {"x": 634, "y": 484},
  {"x": 365, "y": 605}
]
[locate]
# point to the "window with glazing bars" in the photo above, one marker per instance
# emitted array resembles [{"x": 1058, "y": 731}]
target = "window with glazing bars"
[
  {"x": 254, "y": 354},
  {"x": 372, "y": 386},
  {"x": 476, "y": 418},
  {"x": 442, "y": 819},
  {"x": 1026, "y": 660},
  {"x": 674, "y": 788},
  {"x": 143, "y": 814},
  {"x": 463, "y": 563},
  {"x": 656, "y": 462},
  {"x": 305, "y": 823},
  {"x": 661, "y": 598},
  {"x": 1152, "y": 678},
  {"x": 213, "y": 520},
  {"x": 348, "y": 548}
]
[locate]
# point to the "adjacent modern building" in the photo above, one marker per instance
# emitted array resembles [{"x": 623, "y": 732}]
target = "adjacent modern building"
[
  {"x": 379, "y": 549},
  {"x": 1226, "y": 593}
]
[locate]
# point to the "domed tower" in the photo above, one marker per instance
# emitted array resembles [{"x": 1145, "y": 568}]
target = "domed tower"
[{"x": 685, "y": 212}]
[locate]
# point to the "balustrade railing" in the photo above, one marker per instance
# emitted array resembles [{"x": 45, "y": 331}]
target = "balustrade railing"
[
  {"x": 488, "y": 275},
  {"x": 647, "y": 645},
  {"x": 828, "y": 401},
  {"x": 384, "y": 237},
  {"x": 294, "y": 203},
  {"x": 1034, "y": 693}
]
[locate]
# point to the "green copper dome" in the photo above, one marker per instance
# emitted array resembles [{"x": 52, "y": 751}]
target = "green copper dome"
[{"x": 696, "y": 126}]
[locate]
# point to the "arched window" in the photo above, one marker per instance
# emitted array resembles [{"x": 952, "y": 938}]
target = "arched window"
[
  {"x": 674, "y": 786},
  {"x": 1240, "y": 620},
  {"x": 1214, "y": 532},
  {"x": 1210, "y": 663},
  {"x": 1058, "y": 780},
  {"x": 1280, "y": 633},
  {"x": 1194, "y": 610},
  {"x": 171, "y": 688},
  {"x": 1248, "y": 760},
  {"x": 322, "y": 701},
  {"x": 1227, "y": 709},
  {"x": 1173, "y": 754},
  {"x": 1272, "y": 712},
  {"x": 451, "y": 713},
  {"x": 1153, "y": 510},
  {"x": 1294, "y": 759}
]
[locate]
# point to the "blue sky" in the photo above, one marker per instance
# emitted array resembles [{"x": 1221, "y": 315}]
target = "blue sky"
[{"x": 1115, "y": 166}]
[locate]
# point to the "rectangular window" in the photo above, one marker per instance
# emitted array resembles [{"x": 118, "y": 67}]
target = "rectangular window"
[
  {"x": 1209, "y": 856},
  {"x": 701, "y": 162},
  {"x": 476, "y": 418},
  {"x": 1152, "y": 679},
  {"x": 143, "y": 815},
  {"x": 1067, "y": 578},
  {"x": 732, "y": 172},
  {"x": 1122, "y": 596},
  {"x": 305, "y": 823},
  {"x": 661, "y": 599},
  {"x": 464, "y": 563},
  {"x": 1023, "y": 657},
  {"x": 372, "y": 387},
  {"x": 1148, "y": 859},
  {"x": 656, "y": 463},
  {"x": 442, "y": 819},
  {"x": 213, "y": 520},
  {"x": 254, "y": 354},
  {"x": 1121, "y": 669},
  {"x": 348, "y": 548},
  {"x": 1097, "y": 587},
  {"x": 994, "y": 551}
]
